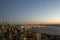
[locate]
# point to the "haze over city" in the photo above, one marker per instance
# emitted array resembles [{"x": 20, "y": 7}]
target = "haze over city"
[{"x": 30, "y": 11}]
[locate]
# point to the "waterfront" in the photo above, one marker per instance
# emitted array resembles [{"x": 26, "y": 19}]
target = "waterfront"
[
  {"x": 20, "y": 32},
  {"x": 16, "y": 32}
]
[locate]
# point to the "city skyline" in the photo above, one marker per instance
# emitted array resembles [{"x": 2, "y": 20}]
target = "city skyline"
[{"x": 30, "y": 11}]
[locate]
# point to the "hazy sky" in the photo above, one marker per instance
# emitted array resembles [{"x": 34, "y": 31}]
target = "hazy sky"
[{"x": 30, "y": 11}]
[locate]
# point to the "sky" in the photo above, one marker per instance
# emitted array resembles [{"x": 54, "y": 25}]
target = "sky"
[{"x": 30, "y": 11}]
